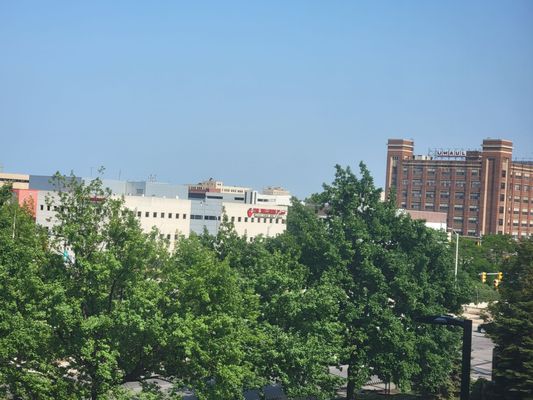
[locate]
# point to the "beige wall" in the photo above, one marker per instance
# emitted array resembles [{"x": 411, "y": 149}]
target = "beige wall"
[
  {"x": 242, "y": 216},
  {"x": 19, "y": 181}
]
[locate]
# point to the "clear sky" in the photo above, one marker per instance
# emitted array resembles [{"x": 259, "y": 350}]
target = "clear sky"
[{"x": 257, "y": 93}]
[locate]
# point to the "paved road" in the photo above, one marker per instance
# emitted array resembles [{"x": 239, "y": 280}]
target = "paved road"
[{"x": 481, "y": 364}]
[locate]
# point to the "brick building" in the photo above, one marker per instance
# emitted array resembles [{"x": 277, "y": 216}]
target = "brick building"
[{"x": 482, "y": 191}]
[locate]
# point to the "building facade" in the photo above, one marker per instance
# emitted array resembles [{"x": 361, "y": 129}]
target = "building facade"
[
  {"x": 482, "y": 191},
  {"x": 170, "y": 208}
]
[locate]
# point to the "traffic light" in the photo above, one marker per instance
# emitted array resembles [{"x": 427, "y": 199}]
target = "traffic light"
[
  {"x": 496, "y": 283},
  {"x": 483, "y": 277},
  {"x": 500, "y": 276}
]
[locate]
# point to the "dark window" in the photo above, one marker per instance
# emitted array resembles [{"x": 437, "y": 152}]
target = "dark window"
[
  {"x": 502, "y": 185},
  {"x": 502, "y": 197},
  {"x": 139, "y": 213},
  {"x": 146, "y": 214},
  {"x": 245, "y": 219},
  {"x": 48, "y": 208},
  {"x": 504, "y": 174},
  {"x": 170, "y": 215},
  {"x": 154, "y": 214},
  {"x": 42, "y": 207},
  {"x": 252, "y": 220},
  {"x": 238, "y": 219},
  {"x": 168, "y": 236},
  {"x": 162, "y": 215},
  {"x": 177, "y": 216},
  {"x": 184, "y": 216},
  {"x": 232, "y": 219}
]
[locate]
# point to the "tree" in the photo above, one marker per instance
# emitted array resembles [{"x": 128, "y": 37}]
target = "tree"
[
  {"x": 512, "y": 330},
  {"x": 27, "y": 357},
  {"x": 107, "y": 322},
  {"x": 391, "y": 270},
  {"x": 209, "y": 323}
]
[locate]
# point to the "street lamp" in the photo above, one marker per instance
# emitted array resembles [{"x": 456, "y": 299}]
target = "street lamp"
[
  {"x": 456, "y": 250},
  {"x": 466, "y": 324}
]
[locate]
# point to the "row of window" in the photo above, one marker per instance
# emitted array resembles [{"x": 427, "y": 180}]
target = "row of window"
[
  {"x": 443, "y": 183},
  {"x": 416, "y": 194},
  {"x": 270, "y": 220},
  {"x": 161, "y": 215},
  {"x": 417, "y": 169},
  {"x": 205, "y": 217}
]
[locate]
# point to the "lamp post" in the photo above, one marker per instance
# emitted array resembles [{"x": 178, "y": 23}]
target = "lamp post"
[
  {"x": 456, "y": 251},
  {"x": 466, "y": 324}
]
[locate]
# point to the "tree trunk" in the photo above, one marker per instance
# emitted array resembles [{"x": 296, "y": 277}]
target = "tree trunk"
[{"x": 350, "y": 389}]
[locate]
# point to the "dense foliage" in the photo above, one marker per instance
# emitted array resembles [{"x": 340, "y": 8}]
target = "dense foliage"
[
  {"x": 512, "y": 330},
  {"x": 97, "y": 302}
]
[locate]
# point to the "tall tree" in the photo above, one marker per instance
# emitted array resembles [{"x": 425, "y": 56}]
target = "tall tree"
[
  {"x": 27, "y": 367},
  {"x": 512, "y": 331},
  {"x": 107, "y": 323},
  {"x": 392, "y": 270}
]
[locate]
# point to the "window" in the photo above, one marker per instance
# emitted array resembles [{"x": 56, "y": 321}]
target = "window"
[
  {"x": 139, "y": 213},
  {"x": 517, "y": 187},
  {"x": 444, "y": 195},
  {"x": 245, "y": 219},
  {"x": 177, "y": 216},
  {"x": 154, "y": 215},
  {"x": 42, "y": 207},
  {"x": 146, "y": 214},
  {"x": 501, "y": 210},
  {"x": 502, "y": 185},
  {"x": 162, "y": 215},
  {"x": 277, "y": 221},
  {"x": 446, "y": 183},
  {"x": 458, "y": 207},
  {"x": 500, "y": 222},
  {"x": 415, "y": 206},
  {"x": 475, "y": 172},
  {"x": 472, "y": 220},
  {"x": 252, "y": 220},
  {"x": 460, "y": 184},
  {"x": 405, "y": 182},
  {"x": 475, "y": 184},
  {"x": 459, "y": 172},
  {"x": 504, "y": 173},
  {"x": 417, "y": 182},
  {"x": 430, "y": 183},
  {"x": 459, "y": 195},
  {"x": 170, "y": 215},
  {"x": 443, "y": 206},
  {"x": 430, "y": 195},
  {"x": 184, "y": 216},
  {"x": 474, "y": 196},
  {"x": 502, "y": 197},
  {"x": 176, "y": 236},
  {"x": 473, "y": 208},
  {"x": 161, "y": 236},
  {"x": 168, "y": 236},
  {"x": 416, "y": 194},
  {"x": 431, "y": 171},
  {"x": 47, "y": 208},
  {"x": 232, "y": 219}
]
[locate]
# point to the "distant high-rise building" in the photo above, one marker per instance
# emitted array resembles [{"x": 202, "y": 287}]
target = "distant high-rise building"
[{"x": 482, "y": 191}]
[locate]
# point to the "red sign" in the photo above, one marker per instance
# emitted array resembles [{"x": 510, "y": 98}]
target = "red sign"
[{"x": 265, "y": 212}]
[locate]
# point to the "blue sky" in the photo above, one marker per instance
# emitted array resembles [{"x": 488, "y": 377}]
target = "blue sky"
[{"x": 257, "y": 93}]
